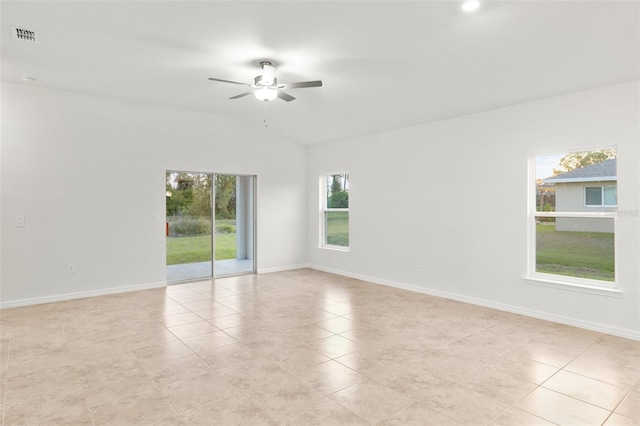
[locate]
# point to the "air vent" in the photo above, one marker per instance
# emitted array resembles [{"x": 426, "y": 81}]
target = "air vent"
[{"x": 23, "y": 34}]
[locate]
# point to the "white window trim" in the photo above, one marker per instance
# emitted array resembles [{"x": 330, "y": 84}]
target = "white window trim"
[
  {"x": 600, "y": 215},
  {"x": 323, "y": 211},
  {"x": 583, "y": 285},
  {"x": 602, "y": 188}
]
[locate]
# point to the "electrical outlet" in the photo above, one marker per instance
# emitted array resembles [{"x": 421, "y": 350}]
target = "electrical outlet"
[
  {"x": 418, "y": 263},
  {"x": 71, "y": 268}
]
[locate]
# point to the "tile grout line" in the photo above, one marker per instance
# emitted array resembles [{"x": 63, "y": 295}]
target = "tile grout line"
[
  {"x": 75, "y": 369},
  {"x": 513, "y": 405},
  {"x": 294, "y": 376},
  {"x": 146, "y": 371},
  {"x": 210, "y": 366},
  {"x": 4, "y": 384},
  {"x": 156, "y": 386},
  {"x": 538, "y": 386},
  {"x": 592, "y": 378},
  {"x": 620, "y": 403}
]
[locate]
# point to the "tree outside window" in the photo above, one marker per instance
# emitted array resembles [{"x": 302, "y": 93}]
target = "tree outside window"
[{"x": 335, "y": 214}]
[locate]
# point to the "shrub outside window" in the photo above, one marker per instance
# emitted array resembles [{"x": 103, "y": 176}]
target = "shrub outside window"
[
  {"x": 335, "y": 211},
  {"x": 572, "y": 218}
]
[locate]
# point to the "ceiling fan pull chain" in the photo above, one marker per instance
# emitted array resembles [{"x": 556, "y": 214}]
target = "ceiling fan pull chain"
[{"x": 264, "y": 113}]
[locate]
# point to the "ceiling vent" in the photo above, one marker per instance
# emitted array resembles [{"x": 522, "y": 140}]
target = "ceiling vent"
[{"x": 23, "y": 34}]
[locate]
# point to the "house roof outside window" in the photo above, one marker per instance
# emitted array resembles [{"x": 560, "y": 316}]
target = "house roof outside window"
[{"x": 604, "y": 171}]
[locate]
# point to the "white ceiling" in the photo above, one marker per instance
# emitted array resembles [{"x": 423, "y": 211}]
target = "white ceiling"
[{"x": 384, "y": 65}]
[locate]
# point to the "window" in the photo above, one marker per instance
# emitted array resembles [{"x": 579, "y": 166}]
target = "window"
[
  {"x": 572, "y": 218},
  {"x": 335, "y": 211},
  {"x": 600, "y": 196}
]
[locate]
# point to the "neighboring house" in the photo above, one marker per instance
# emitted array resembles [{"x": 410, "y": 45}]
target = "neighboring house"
[{"x": 588, "y": 189}]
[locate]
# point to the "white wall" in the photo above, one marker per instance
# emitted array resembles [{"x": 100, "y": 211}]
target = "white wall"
[
  {"x": 89, "y": 175},
  {"x": 454, "y": 194}
]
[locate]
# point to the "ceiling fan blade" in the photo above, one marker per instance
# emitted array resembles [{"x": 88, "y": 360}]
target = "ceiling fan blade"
[
  {"x": 301, "y": 84},
  {"x": 229, "y": 81},
  {"x": 285, "y": 96},
  {"x": 242, "y": 95}
]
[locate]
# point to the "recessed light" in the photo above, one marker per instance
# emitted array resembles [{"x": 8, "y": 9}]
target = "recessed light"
[
  {"x": 470, "y": 5},
  {"x": 27, "y": 79}
]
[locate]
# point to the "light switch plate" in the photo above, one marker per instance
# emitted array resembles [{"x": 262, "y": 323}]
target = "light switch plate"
[{"x": 20, "y": 221}]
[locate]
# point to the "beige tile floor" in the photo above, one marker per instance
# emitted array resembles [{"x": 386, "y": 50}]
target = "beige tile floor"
[{"x": 305, "y": 348}]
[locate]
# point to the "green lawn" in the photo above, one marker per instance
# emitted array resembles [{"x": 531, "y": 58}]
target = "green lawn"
[
  {"x": 338, "y": 228},
  {"x": 198, "y": 248},
  {"x": 576, "y": 254}
]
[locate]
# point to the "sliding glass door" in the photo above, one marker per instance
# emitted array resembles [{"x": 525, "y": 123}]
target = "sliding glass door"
[
  {"x": 189, "y": 225},
  {"x": 234, "y": 219},
  {"x": 210, "y": 225}
]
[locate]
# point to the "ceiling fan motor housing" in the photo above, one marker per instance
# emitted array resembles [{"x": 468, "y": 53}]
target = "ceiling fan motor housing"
[
  {"x": 268, "y": 74},
  {"x": 260, "y": 83}
]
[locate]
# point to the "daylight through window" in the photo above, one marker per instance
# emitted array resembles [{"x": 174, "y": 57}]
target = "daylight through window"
[
  {"x": 573, "y": 218},
  {"x": 335, "y": 210}
]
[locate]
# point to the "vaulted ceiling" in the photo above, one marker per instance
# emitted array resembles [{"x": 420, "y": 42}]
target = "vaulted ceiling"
[{"x": 384, "y": 64}]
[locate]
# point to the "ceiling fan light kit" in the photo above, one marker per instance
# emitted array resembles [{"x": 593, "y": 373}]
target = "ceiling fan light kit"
[
  {"x": 266, "y": 94},
  {"x": 470, "y": 5},
  {"x": 266, "y": 87}
]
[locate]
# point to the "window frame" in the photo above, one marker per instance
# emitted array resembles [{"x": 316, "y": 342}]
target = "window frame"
[
  {"x": 566, "y": 282},
  {"x": 602, "y": 195},
  {"x": 324, "y": 209}
]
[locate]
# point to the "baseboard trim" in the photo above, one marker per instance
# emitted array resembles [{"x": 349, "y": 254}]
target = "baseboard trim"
[
  {"x": 80, "y": 295},
  {"x": 602, "y": 328},
  {"x": 115, "y": 290},
  {"x": 282, "y": 268}
]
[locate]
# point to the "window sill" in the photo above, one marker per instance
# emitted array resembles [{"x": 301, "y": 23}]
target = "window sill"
[
  {"x": 336, "y": 248},
  {"x": 555, "y": 281}
]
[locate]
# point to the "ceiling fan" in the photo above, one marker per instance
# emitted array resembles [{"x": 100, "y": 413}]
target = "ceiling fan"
[{"x": 266, "y": 87}]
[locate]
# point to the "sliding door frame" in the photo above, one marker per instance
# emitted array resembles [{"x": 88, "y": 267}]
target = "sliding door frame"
[{"x": 253, "y": 218}]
